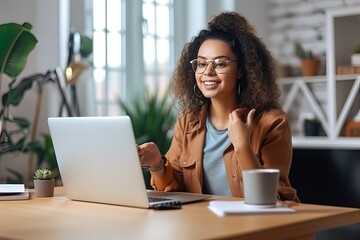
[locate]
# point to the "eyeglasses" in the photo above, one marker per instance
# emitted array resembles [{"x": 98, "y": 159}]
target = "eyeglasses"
[{"x": 219, "y": 65}]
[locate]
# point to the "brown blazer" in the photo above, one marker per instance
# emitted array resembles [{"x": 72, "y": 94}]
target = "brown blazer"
[{"x": 270, "y": 139}]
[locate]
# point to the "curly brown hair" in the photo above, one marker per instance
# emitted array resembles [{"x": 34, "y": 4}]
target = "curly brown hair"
[{"x": 256, "y": 65}]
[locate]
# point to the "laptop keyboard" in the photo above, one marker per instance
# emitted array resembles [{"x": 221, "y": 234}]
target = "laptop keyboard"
[
  {"x": 158, "y": 199},
  {"x": 163, "y": 205}
]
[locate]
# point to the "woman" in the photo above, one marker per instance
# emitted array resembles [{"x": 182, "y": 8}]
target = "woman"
[{"x": 230, "y": 119}]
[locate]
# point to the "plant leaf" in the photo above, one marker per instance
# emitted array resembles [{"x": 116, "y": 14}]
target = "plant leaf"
[
  {"x": 86, "y": 46},
  {"x": 18, "y": 177},
  {"x": 152, "y": 118},
  {"x": 9, "y": 146},
  {"x": 16, "y": 43},
  {"x": 15, "y": 95},
  {"x": 22, "y": 122}
]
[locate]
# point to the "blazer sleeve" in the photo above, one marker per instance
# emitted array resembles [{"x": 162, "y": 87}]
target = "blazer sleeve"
[
  {"x": 172, "y": 179},
  {"x": 276, "y": 149}
]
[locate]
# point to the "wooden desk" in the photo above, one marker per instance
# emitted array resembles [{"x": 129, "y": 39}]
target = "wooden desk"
[{"x": 61, "y": 218}]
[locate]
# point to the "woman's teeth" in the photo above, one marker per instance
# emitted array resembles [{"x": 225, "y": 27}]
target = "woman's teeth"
[{"x": 210, "y": 83}]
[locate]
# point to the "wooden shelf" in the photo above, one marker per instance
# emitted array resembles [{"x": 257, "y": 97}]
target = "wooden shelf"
[
  {"x": 313, "y": 79},
  {"x": 316, "y": 79}
]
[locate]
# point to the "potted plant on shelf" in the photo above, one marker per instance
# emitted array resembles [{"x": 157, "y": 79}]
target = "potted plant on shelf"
[
  {"x": 44, "y": 182},
  {"x": 309, "y": 64},
  {"x": 355, "y": 57}
]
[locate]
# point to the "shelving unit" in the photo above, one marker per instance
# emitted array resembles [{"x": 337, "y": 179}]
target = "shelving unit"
[
  {"x": 338, "y": 100},
  {"x": 295, "y": 87}
]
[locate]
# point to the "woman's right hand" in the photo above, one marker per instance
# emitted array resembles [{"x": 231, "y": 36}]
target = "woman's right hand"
[
  {"x": 239, "y": 127},
  {"x": 149, "y": 155}
]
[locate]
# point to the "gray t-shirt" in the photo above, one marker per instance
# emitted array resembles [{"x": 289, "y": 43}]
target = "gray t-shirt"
[{"x": 215, "y": 179}]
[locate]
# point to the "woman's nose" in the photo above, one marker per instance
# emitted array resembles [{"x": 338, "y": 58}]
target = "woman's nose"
[{"x": 210, "y": 69}]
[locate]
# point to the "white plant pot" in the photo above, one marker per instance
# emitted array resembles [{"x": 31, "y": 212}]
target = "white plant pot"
[{"x": 355, "y": 59}]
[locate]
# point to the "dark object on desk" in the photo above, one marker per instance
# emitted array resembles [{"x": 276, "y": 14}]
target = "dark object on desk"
[{"x": 167, "y": 206}]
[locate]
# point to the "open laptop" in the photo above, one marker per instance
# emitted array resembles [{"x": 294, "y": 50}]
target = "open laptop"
[{"x": 98, "y": 162}]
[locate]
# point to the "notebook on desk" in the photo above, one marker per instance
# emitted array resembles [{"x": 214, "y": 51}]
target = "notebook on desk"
[{"x": 98, "y": 162}]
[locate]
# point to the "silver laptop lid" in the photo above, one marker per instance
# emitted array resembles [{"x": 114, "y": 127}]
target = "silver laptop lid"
[{"x": 98, "y": 160}]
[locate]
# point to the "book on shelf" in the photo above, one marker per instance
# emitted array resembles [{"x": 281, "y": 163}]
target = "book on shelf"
[
  {"x": 13, "y": 192},
  {"x": 348, "y": 69}
]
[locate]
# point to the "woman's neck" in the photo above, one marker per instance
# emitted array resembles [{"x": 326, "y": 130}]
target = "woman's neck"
[{"x": 219, "y": 113}]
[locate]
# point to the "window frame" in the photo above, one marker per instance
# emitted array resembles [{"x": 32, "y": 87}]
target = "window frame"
[{"x": 133, "y": 79}]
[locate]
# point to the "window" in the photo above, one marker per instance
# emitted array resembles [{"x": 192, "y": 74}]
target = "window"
[
  {"x": 157, "y": 43},
  {"x": 116, "y": 52}
]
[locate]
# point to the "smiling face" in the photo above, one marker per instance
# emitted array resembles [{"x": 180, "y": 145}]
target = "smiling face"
[{"x": 214, "y": 85}]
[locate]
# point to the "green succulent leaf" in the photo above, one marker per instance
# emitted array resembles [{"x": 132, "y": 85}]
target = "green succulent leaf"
[
  {"x": 43, "y": 174},
  {"x": 16, "y": 43}
]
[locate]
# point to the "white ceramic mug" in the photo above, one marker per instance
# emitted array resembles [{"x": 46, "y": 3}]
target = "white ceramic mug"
[{"x": 260, "y": 187}]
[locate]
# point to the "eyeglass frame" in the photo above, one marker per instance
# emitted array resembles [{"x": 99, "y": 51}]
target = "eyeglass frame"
[{"x": 208, "y": 61}]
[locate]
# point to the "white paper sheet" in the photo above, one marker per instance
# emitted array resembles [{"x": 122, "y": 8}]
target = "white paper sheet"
[{"x": 222, "y": 208}]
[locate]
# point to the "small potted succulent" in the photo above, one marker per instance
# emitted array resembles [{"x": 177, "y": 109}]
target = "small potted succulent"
[{"x": 44, "y": 182}]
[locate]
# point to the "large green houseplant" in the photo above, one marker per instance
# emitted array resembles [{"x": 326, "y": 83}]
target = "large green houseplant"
[
  {"x": 16, "y": 43},
  {"x": 153, "y": 118}
]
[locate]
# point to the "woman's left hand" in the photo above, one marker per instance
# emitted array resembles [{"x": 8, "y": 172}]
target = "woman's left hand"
[{"x": 239, "y": 126}]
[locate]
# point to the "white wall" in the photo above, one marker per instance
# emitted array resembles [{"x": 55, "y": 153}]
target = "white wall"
[
  {"x": 199, "y": 12},
  {"x": 256, "y": 12}
]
